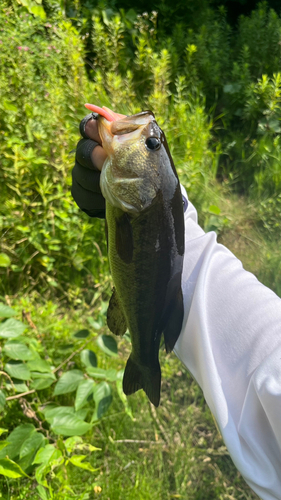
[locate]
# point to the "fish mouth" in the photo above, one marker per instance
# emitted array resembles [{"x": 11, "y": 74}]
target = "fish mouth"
[{"x": 116, "y": 129}]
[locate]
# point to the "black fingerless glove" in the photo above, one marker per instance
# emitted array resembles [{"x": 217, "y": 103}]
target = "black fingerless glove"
[{"x": 86, "y": 177}]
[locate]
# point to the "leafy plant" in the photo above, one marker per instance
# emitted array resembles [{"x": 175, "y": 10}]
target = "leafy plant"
[{"x": 41, "y": 451}]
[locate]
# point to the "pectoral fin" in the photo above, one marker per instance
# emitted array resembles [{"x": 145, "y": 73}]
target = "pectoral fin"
[{"x": 116, "y": 320}]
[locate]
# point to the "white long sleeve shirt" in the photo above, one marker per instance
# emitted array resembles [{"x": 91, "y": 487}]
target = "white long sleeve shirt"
[{"x": 231, "y": 343}]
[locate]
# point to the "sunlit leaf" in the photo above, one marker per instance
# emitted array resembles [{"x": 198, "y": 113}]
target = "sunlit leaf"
[
  {"x": 3, "y": 444},
  {"x": 41, "y": 383},
  {"x": 18, "y": 370},
  {"x": 42, "y": 492},
  {"x": 81, "y": 334},
  {"x": 31, "y": 444},
  {"x": 9, "y": 106},
  {"x": 50, "y": 412},
  {"x": 68, "y": 382},
  {"x": 72, "y": 442},
  {"x": 18, "y": 350},
  {"x": 39, "y": 365},
  {"x": 5, "y": 260},
  {"x": 111, "y": 374},
  {"x": 108, "y": 345},
  {"x": 16, "y": 439},
  {"x": 96, "y": 372},
  {"x": 46, "y": 454},
  {"x": 6, "y": 311},
  {"x": 2, "y": 400},
  {"x": 103, "y": 399},
  {"x": 77, "y": 460},
  {"x": 214, "y": 209},
  {"x": 122, "y": 396},
  {"x": 53, "y": 412},
  {"x": 70, "y": 425},
  {"x": 94, "y": 323},
  {"x": 84, "y": 389},
  {"x": 18, "y": 385},
  {"x": 11, "y": 328},
  {"x": 88, "y": 358},
  {"x": 10, "y": 469}
]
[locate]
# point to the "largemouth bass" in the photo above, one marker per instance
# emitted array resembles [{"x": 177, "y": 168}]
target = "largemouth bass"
[{"x": 145, "y": 225}]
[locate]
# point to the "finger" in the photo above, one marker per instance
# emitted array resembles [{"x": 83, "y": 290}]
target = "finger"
[
  {"x": 98, "y": 157},
  {"x": 92, "y": 131}
]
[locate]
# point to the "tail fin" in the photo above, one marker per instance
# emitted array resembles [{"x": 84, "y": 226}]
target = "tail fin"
[{"x": 148, "y": 379}]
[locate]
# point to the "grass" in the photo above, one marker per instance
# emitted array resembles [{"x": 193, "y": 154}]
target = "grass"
[{"x": 175, "y": 451}]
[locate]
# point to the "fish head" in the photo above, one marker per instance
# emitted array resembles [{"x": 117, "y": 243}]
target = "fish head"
[{"x": 137, "y": 152}]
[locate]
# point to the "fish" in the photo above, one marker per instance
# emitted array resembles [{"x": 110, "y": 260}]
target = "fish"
[{"x": 145, "y": 233}]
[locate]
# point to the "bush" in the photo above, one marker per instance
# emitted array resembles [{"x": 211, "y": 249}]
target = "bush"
[{"x": 47, "y": 243}]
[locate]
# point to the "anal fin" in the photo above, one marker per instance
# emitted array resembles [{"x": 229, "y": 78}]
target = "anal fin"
[{"x": 116, "y": 320}]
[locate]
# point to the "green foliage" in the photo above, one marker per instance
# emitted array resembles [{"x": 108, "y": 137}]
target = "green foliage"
[
  {"x": 215, "y": 91},
  {"x": 43, "y": 235},
  {"x": 67, "y": 406},
  {"x": 47, "y": 243}
]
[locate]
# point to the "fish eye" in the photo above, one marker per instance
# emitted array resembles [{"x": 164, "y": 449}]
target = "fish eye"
[{"x": 153, "y": 143}]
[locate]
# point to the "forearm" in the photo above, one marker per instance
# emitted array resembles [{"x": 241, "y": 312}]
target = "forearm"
[{"x": 231, "y": 343}]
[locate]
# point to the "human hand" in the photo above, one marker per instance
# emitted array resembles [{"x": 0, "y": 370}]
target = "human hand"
[
  {"x": 98, "y": 154},
  {"x": 89, "y": 160}
]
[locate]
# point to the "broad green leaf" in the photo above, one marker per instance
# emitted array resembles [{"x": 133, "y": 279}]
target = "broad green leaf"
[
  {"x": 77, "y": 460},
  {"x": 94, "y": 323},
  {"x": 2, "y": 400},
  {"x": 5, "y": 260},
  {"x": 38, "y": 11},
  {"x": 18, "y": 350},
  {"x": 43, "y": 375},
  {"x": 41, "y": 383},
  {"x": 108, "y": 345},
  {"x": 88, "y": 358},
  {"x": 2, "y": 431},
  {"x": 122, "y": 396},
  {"x": 9, "y": 468},
  {"x": 47, "y": 454},
  {"x": 96, "y": 372},
  {"x": 15, "y": 440},
  {"x": 3, "y": 444},
  {"x": 11, "y": 328},
  {"x": 6, "y": 311},
  {"x": 111, "y": 374},
  {"x": 41, "y": 472},
  {"x": 18, "y": 386},
  {"x": 31, "y": 444},
  {"x": 18, "y": 370},
  {"x": 70, "y": 425},
  {"x": 39, "y": 365},
  {"x": 103, "y": 399},
  {"x": 82, "y": 414},
  {"x": 84, "y": 389},
  {"x": 60, "y": 411},
  {"x": 9, "y": 106},
  {"x": 56, "y": 411},
  {"x": 214, "y": 209},
  {"x": 43, "y": 494},
  {"x": 72, "y": 442},
  {"x": 82, "y": 334},
  {"x": 68, "y": 382}
]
